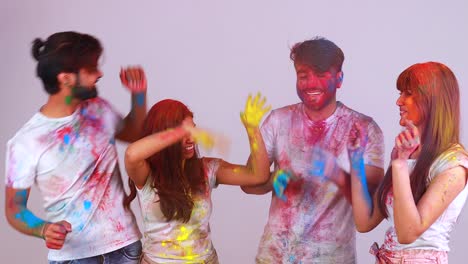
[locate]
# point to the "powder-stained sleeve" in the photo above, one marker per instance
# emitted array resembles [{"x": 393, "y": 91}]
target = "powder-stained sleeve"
[
  {"x": 20, "y": 165},
  {"x": 268, "y": 130},
  {"x": 374, "y": 154}
]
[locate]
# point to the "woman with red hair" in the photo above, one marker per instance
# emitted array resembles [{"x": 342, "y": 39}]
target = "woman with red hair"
[
  {"x": 425, "y": 188},
  {"x": 174, "y": 184}
]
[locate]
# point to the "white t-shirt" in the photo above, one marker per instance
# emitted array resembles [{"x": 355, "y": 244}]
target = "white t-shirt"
[
  {"x": 315, "y": 224},
  {"x": 175, "y": 241},
  {"x": 73, "y": 161},
  {"x": 437, "y": 236}
]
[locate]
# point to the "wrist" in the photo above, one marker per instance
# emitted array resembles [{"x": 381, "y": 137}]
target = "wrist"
[
  {"x": 139, "y": 97},
  {"x": 44, "y": 229},
  {"x": 252, "y": 130},
  {"x": 357, "y": 165},
  {"x": 398, "y": 162}
]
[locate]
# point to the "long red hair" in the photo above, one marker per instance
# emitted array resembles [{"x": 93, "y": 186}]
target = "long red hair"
[
  {"x": 438, "y": 100},
  {"x": 172, "y": 181}
]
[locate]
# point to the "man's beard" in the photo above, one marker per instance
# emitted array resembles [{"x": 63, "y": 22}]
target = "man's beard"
[{"x": 84, "y": 93}]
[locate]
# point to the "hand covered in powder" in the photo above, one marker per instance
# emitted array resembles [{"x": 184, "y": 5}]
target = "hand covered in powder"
[
  {"x": 356, "y": 146},
  {"x": 254, "y": 111},
  {"x": 281, "y": 179},
  {"x": 407, "y": 142},
  {"x": 134, "y": 79},
  {"x": 54, "y": 234}
]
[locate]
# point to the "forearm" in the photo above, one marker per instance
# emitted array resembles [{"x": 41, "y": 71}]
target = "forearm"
[
  {"x": 258, "y": 189},
  {"x": 146, "y": 147},
  {"x": 406, "y": 214},
  {"x": 23, "y": 220},
  {"x": 133, "y": 122},
  {"x": 259, "y": 164},
  {"x": 364, "y": 199},
  {"x": 364, "y": 209}
]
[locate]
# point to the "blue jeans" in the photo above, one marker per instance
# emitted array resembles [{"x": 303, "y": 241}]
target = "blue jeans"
[{"x": 126, "y": 255}]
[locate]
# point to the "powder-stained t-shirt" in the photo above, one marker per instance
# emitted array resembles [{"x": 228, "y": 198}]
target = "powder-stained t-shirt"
[
  {"x": 73, "y": 161},
  {"x": 174, "y": 241},
  {"x": 437, "y": 236},
  {"x": 315, "y": 224}
]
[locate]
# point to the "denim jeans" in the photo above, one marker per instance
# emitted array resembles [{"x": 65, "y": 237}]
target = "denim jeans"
[{"x": 126, "y": 255}]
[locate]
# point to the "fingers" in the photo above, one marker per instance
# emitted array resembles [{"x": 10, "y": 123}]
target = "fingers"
[
  {"x": 262, "y": 102},
  {"x": 55, "y": 234},
  {"x": 407, "y": 141},
  {"x": 134, "y": 74},
  {"x": 398, "y": 142},
  {"x": 257, "y": 97},
  {"x": 133, "y": 78},
  {"x": 266, "y": 109},
  {"x": 249, "y": 101},
  {"x": 242, "y": 116},
  {"x": 409, "y": 138},
  {"x": 254, "y": 111},
  {"x": 413, "y": 130},
  {"x": 357, "y": 137},
  {"x": 54, "y": 245},
  {"x": 404, "y": 147},
  {"x": 353, "y": 139},
  {"x": 58, "y": 230},
  {"x": 66, "y": 225}
]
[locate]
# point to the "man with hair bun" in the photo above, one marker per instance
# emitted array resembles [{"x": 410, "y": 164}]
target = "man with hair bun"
[{"x": 68, "y": 150}]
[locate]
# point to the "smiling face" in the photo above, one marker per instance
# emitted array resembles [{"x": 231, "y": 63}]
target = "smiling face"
[
  {"x": 317, "y": 90},
  {"x": 409, "y": 109},
  {"x": 188, "y": 144}
]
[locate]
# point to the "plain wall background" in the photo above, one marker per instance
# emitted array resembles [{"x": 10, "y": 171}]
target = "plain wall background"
[{"x": 211, "y": 54}]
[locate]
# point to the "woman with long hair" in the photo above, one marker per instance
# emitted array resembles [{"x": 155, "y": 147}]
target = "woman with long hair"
[
  {"x": 174, "y": 184},
  {"x": 425, "y": 188}
]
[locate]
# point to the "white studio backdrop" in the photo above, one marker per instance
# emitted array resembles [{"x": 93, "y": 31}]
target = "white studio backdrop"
[{"x": 211, "y": 55}]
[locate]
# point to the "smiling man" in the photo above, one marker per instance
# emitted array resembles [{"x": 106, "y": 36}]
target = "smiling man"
[{"x": 310, "y": 220}]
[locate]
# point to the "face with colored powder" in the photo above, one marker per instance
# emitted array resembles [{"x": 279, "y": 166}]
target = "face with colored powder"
[
  {"x": 188, "y": 143},
  {"x": 316, "y": 90},
  {"x": 409, "y": 110},
  {"x": 85, "y": 86}
]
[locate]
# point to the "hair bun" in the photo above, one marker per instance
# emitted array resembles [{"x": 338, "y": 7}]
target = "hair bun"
[{"x": 38, "y": 48}]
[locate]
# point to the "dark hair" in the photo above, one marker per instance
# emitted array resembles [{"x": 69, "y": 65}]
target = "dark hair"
[
  {"x": 173, "y": 183},
  {"x": 64, "y": 52},
  {"x": 438, "y": 100},
  {"x": 318, "y": 53}
]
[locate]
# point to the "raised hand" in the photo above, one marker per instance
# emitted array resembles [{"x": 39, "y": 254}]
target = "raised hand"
[
  {"x": 407, "y": 142},
  {"x": 254, "y": 111},
  {"x": 134, "y": 79},
  {"x": 356, "y": 146},
  {"x": 54, "y": 234}
]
